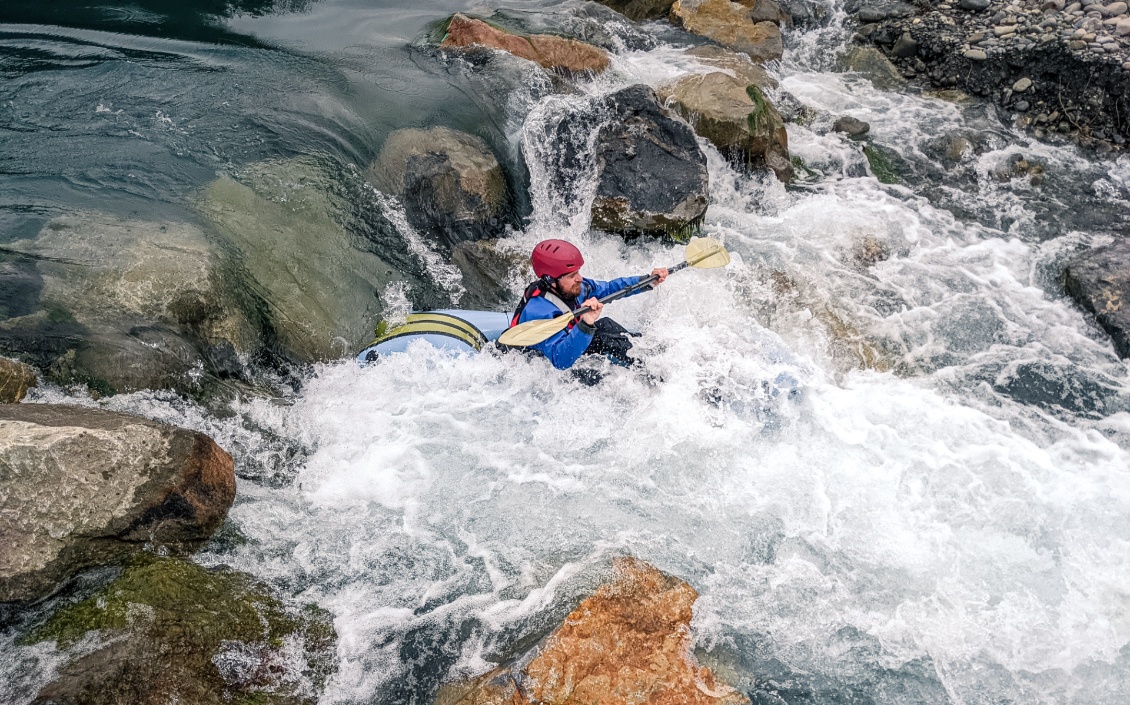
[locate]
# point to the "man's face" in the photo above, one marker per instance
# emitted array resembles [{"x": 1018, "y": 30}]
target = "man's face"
[{"x": 570, "y": 284}]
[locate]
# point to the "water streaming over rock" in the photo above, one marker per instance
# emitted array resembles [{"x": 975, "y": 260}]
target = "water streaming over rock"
[{"x": 887, "y": 451}]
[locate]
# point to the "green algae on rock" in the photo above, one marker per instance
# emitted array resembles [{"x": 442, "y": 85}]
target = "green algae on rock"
[{"x": 174, "y": 631}]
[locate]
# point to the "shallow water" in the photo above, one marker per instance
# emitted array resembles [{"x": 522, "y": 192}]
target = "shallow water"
[{"x": 906, "y": 481}]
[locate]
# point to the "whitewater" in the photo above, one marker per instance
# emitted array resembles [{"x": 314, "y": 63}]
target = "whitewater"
[{"x": 898, "y": 481}]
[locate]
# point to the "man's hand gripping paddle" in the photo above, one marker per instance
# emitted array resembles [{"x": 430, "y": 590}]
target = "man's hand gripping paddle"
[{"x": 702, "y": 253}]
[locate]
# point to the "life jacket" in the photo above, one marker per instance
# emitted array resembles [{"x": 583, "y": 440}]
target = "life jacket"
[{"x": 541, "y": 288}]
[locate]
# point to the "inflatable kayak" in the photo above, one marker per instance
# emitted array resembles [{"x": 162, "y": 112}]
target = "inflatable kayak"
[{"x": 447, "y": 329}]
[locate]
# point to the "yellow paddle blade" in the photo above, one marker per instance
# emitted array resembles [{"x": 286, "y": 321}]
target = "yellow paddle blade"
[
  {"x": 534, "y": 332},
  {"x": 706, "y": 253}
]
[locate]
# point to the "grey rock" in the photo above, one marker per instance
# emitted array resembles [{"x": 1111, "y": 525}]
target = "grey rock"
[
  {"x": 1022, "y": 106},
  {"x": 975, "y": 5},
  {"x": 853, "y": 127},
  {"x": 767, "y": 11},
  {"x": 81, "y": 488},
  {"x": 879, "y": 10},
  {"x": 450, "y": 183},
  {"x": 640, "y": 9},
  {"x": 1022, "y": 85},
  {"x": 905, "y": 46},
  {"x": 1100, "y": 282},
  {"x": 976, "y": 55},
  {"x": 871, "y": 62},
  {"x": 651, "y": 173}
]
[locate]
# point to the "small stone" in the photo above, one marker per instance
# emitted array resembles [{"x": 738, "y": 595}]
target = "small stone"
[
  {"x": 1003, "y": 30},
  {"x": 1122, "y": 28},
  {"x": 975, "y": 5},
  {"x": 1114, "y": 9},
  {"x": 1022, "y": 106},
  {"x": 1022, "y": 85},
  {"x": 976, "y": 55},
  {"x": 851, "y": 127},
  {"x": 975, "y": 37},
  {"x": 905, "y": 46}
]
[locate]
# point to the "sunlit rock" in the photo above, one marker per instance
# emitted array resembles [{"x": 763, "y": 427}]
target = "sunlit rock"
[
  {"x": 1100, "y": 281},
  {"x": 734, "y": 63},
  {"x": 728, "y": 23},
  {"x": 15, "y": 379},
  {"x": 450, "y": 183},
  {"x": 629, "y": 643},
  {"x": 736, "y": 117},
  {"x": 285, "y": 221},
  {"x": 86, "y": 487},
  {"x": 170, "y": 631},
  {"x": 651, "y": 174},
  {"x": 123, "y": 305},
  {"x": 555, "y": 53}
]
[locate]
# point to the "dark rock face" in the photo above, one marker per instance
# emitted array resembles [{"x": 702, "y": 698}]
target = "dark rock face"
[
  {"x": 84, "y": 487},
  {"x": 450, "y": 183},
  {"x": 1100, "y": 282},
  {"x": 15, "y": 378},
  {"x": 486, "y": 272},
  {"x": 640, "y": 9},
  {"x": 1064, "y": 73},
  {"x": 176, "y": 632},
  {"x": 851, "y": 127},
  {"x": 652, "y": 177}
]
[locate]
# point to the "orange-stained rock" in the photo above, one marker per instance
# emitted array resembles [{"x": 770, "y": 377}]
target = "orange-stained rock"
[
  {"x": 15, "y": 378},
  {"x": 630, "y": 643},
  {"x": 555, "y": 53},
  {"x": 728, "y": 23}
]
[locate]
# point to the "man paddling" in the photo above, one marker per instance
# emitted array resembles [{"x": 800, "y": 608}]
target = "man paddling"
[{"x": 560, "y": 289}]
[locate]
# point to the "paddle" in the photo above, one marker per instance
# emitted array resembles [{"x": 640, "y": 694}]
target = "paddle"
[{"x": 701, "y": 253}]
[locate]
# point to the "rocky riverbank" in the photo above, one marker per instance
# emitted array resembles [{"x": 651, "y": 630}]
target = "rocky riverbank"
[{"x": 1060, "y": 70}]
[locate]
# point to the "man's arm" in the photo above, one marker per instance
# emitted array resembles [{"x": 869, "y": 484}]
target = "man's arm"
[{"x": 601, "y": 289}]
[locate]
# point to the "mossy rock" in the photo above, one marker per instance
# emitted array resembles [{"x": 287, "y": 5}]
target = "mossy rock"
[
  {"x": 883, "y": 164},
  {"x": 177, "y": 632}
]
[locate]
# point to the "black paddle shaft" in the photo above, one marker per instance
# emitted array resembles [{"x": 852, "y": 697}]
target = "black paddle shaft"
[{"x": 646, "y": 281}]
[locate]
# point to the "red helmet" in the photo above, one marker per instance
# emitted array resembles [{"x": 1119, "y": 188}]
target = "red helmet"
[{"x": 556, "y": 258}]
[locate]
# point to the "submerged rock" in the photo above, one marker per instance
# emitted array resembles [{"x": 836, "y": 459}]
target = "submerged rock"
[
  {"x": 84, "y": 487},
  {"x": 15, "y": 379},
  {"x": 629, "y": 643},
  {"x": 555, "y": 53},
  {"x": 736, "y": 117},
  {"x": 284, "y": 220},
  {"x": 174, "y": 632},
  {"x": 487, "y": 272},
  {"x": 125, "y": 305},
  {"x": 852, "y": 127},
  {"x": 651, "y": 173},
  {"x": 872, "y": 64},
  {"x": 735, "y": 63},
  {"x": 450, "y": 183},
  {"x": 728, "y": 23},
  {"x": 1100, "y": 281}
]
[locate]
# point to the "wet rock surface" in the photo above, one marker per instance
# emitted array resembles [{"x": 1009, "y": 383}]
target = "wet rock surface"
[
  {"x": 628, "y": 643},
  {"x": 736, "y": 117},
  {"x": 487, "y": 271},
  {"x": 551, "y": 52},
  {"x": 1061, "y": 70},
  {"x": 84, "y": 487},
  {"x": 15, "y": 379},
  {"x": 651, "y": 173},
  {"x": 284, "y": 221},
  {"x": 1100, "y": 282},
  {"x": 640, "y": 9},
  {"x": 452, "y": 187},
  {"x": 729, "y": 24},
  {"x": 120, "y": 305},
  {"x": 172, "y": 631}
]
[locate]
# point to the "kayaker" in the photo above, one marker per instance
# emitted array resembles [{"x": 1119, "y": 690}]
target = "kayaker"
[{"x": 560, "y": 289}]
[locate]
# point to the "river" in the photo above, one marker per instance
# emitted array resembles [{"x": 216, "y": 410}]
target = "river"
[{"x": 900, "y": 477}]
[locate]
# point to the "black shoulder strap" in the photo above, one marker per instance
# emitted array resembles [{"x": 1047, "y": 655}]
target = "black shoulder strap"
[{"x": 536, "y": 289}]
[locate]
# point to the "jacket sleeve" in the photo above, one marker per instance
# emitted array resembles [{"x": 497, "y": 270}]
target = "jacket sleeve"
[
  {"x": 601, "y": 289},
  {"x": 562, "y": 348}
]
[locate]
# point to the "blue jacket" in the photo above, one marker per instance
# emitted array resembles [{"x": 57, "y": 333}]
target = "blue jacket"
[{"x": 565, "y": 347}]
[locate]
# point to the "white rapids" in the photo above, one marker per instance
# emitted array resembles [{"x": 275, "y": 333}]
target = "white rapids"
[{"x": 835, "y": 454}]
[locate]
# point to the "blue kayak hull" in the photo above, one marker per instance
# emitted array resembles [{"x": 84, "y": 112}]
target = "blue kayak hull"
[{"x": 477, "y": 329}]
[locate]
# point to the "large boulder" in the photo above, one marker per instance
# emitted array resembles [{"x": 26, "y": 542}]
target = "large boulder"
[
  {"x": 123, "y": 305},
  {"x": 629, "y": 643},
  {"x": 651, "y": 173},
  {"x": 873, "y": 65},
  {"x": 285, "y": 221},
  {"x": 489, "y": 274},
  {"x": 15, "y": 379},
  {"x": 81, "y": 488},
  {"x": 736, "y": 117},
  {"x": 170, "y": 631},
  {"x": 450, "y": 183},
  {"x": 640, "y": 10},
  {"x": 561, "y": 54},
  {"x": 1100, "y": 282},
  {"x": 729, "y": 24},
  {"x": 734, "y": 63}
]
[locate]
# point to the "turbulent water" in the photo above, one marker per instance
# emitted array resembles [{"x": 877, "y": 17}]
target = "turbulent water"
[{"x": 890, "y": 455}]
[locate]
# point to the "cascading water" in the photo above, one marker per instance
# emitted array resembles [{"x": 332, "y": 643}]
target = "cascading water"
[{"x": 890, "y": 456}]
